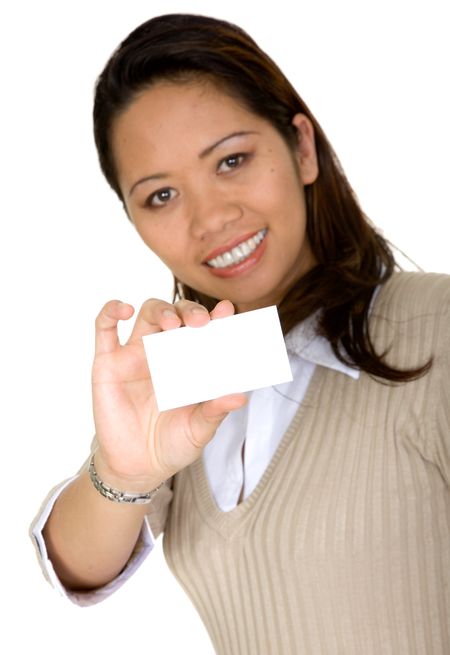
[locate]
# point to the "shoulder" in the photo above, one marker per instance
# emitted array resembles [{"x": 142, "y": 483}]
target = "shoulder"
[
  {"x": 407, "y": 294},
  {"x": 410, "y": 317}
]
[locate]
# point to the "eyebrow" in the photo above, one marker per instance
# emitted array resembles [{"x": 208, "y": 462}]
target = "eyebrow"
[{"x": 202, "y": 155}]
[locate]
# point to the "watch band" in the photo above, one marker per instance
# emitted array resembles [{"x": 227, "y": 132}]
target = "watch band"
[{"x": 119, "y": 496}]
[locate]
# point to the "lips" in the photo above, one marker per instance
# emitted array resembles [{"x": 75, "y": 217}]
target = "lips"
[
  {"x": 239, "y": 258},
  {"x": 236, "y": 251}
]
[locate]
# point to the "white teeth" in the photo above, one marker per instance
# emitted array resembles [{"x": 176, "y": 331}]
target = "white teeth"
[
  {"x": 238, "y": 253},
  {"x": 228, "y": 258}
]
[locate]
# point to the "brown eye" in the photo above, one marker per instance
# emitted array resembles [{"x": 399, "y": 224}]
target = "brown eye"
[
  {"x": 160, "y": 197},
  {"x": 231, "y": 162}
]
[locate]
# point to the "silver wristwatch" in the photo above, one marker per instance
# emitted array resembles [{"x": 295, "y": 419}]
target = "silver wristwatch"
[{"x": 119, "y": 496}]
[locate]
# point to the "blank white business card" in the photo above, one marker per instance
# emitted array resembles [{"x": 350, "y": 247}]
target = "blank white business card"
[{"x": 228, "y": 355}]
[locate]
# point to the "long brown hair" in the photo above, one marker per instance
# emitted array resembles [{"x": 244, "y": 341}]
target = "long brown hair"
[{"x": 352, "y": 257}]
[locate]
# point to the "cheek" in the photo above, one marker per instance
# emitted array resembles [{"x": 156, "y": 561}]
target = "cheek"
[
  {"x": 278, "y": 181},
  {"x": 283, "y": 199},
  {"x": 168, "y": 246},
  {"x": 147, "y": 237},
  {"x": 155, "y": 235}
]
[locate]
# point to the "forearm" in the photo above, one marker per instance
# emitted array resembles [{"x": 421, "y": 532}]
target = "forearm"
[{"x": 90, "y": 538}]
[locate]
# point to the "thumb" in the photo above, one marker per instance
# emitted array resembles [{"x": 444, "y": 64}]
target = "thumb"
[{"x": 209, "y": 415}]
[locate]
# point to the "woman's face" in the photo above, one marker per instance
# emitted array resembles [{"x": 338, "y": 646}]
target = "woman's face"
[{"x": 215, "y": 191}]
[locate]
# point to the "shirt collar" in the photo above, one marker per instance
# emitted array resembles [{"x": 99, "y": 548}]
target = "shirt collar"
[{"x": 303, "y": 341}]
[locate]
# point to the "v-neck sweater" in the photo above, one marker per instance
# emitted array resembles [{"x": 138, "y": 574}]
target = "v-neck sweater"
[{"x": 343, "y": 547}]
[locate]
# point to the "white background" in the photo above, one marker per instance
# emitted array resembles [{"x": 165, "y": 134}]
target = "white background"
[{"x": 375, "y": 74}]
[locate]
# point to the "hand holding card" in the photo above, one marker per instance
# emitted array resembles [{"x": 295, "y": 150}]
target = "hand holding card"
[{"x": 229, "y": 355}]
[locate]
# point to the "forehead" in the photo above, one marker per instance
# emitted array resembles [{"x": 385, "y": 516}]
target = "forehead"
[
  {"x": 185, "y": 90},
  {"x": 187, "y": 113}
]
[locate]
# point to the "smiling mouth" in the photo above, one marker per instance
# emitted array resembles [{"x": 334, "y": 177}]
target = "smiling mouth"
[{"x": 239, "y": 253}]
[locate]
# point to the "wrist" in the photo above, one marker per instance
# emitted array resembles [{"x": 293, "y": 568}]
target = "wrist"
[{"x": 119, "y": 488}]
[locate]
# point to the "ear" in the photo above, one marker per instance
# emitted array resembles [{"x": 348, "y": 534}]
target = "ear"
[{"x": 306, "y": 149}]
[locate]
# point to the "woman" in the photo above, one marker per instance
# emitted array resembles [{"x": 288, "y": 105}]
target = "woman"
[{"x": 311, "y": 517}]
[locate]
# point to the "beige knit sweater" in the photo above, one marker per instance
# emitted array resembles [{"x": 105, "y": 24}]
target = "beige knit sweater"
[{"x": 343, "y": 548}]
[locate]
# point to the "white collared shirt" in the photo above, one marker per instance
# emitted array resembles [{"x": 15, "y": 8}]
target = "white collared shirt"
[{"x": 261, "y": 424}]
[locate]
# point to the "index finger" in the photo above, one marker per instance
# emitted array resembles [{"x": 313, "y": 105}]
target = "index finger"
[
  {"x": 106, "y": 337},
  {"x": 154, "y": 316}
]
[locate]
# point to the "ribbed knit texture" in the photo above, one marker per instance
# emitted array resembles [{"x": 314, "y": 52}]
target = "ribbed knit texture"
[{"x": 343, "y": 548}]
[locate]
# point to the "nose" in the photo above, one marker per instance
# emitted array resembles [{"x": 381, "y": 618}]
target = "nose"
[{"x": 212, "y": 211}]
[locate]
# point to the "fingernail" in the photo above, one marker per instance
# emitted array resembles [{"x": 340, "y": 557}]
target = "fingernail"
[
  {"x": 169, "y": 313},
  {"x": 198, "y": 310}
]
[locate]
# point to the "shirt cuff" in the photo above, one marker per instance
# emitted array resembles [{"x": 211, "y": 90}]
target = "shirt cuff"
[{"x": 143, "y": 547}]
